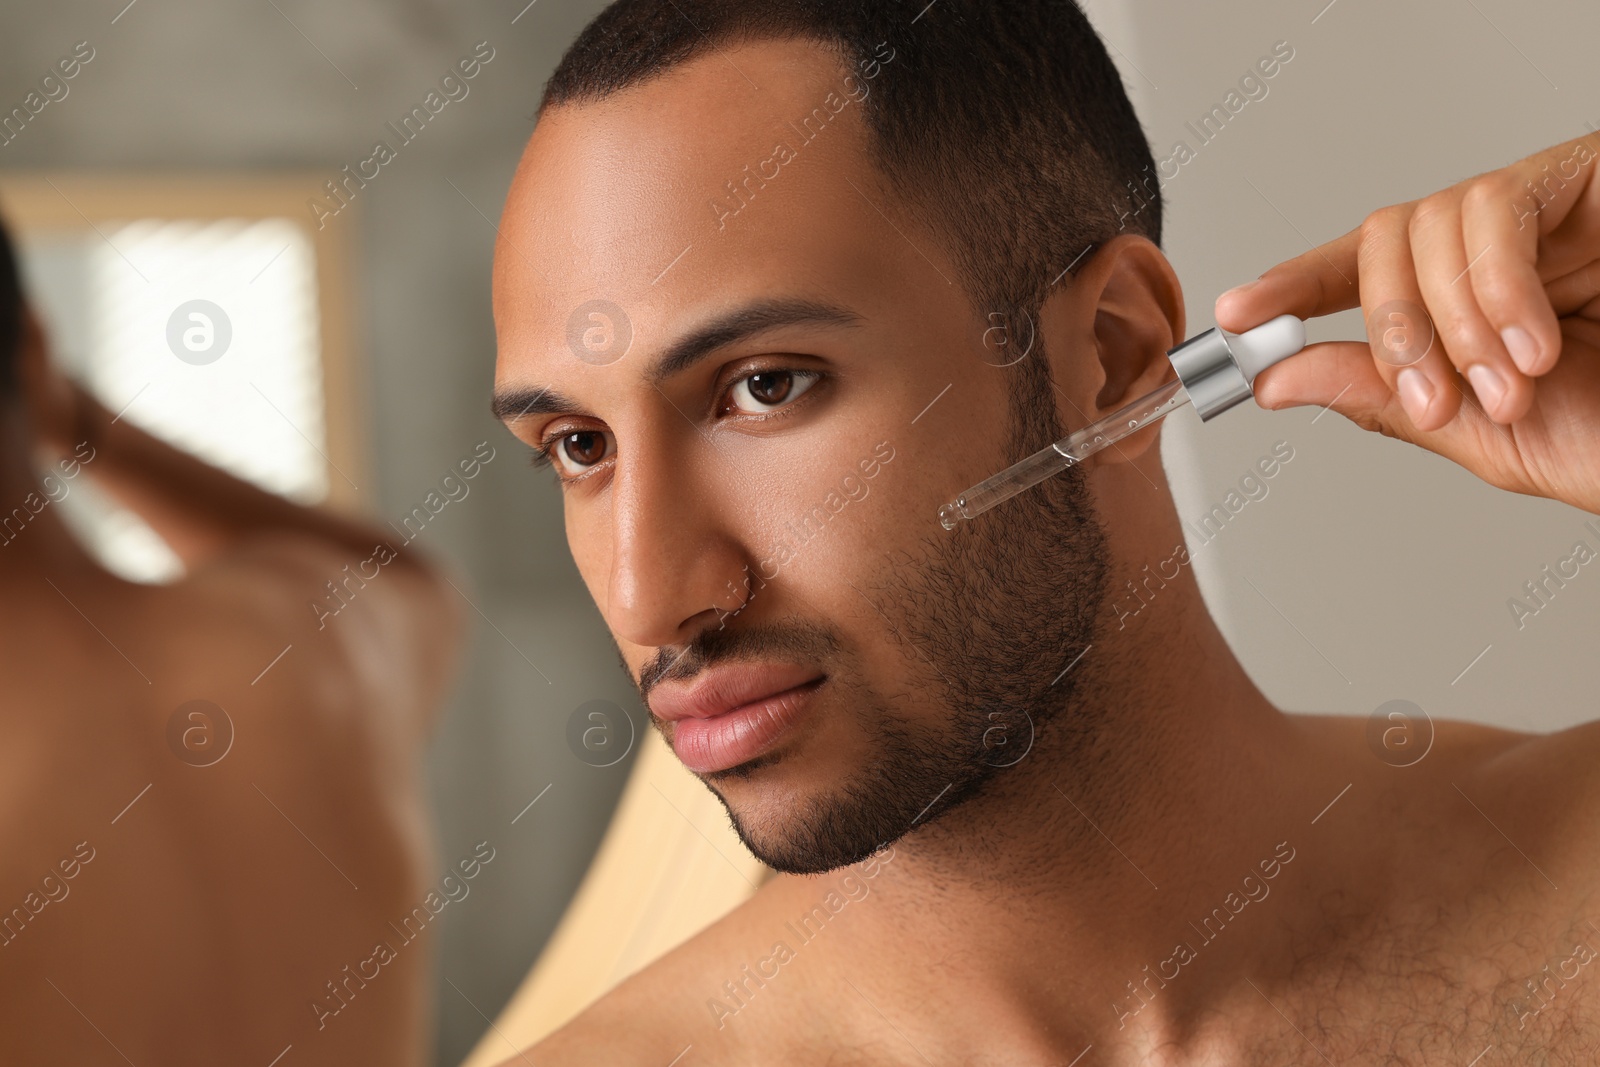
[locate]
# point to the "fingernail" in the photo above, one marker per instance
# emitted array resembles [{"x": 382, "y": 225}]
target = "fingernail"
[
  {"x": 1523, "y": 348},
  {"x": 1487, "y": 383},
  {"x": 1240, "y": 290},
  {"x": 1416, "y": 392}
]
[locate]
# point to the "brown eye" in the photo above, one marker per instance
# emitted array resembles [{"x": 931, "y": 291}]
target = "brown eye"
[
  {"x": 766, "y": 390},
  {"x": 771, "y": 388},
  {"x": 578, "y": 451}
]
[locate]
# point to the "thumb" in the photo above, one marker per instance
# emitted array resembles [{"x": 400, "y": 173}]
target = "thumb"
[{"x": 1333, "y": 374}]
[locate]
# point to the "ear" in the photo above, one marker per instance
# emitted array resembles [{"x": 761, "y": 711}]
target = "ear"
[{"x": 1107, "y": 334}]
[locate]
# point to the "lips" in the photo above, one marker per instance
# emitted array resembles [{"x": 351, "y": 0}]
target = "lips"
[{"x": 730, "y": 715}]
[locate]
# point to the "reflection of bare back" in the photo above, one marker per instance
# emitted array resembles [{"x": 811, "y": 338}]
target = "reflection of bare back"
[{"x": 207, "y": 882}]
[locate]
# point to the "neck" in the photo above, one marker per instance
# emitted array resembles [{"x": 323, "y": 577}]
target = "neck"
[
  {"x": 1166, "y": 789},
  {"x": 1162, "y": 733}
]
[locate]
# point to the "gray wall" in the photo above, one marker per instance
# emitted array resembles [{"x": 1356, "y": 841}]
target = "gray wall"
[
  {"x": 1392, "y": 567},
  {"x": 1372, "y": 570}
]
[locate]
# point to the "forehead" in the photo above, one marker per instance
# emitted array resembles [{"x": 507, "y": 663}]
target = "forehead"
[{"x": 741, "y": 174}]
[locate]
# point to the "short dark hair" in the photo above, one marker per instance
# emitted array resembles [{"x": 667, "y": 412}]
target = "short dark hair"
[
  {"x": 1002, "y": 123},
  {"x": 10, "y": 315}
]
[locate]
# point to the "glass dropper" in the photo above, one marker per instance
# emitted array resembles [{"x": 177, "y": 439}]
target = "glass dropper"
[
  {"x": 1071, "y": 449},
  {"x": 1215, "y": 371}
]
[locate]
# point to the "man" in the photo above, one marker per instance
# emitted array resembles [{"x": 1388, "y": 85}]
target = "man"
[
  {"x": 778, "y": 279},
  {"x": 212, "y": 803}
]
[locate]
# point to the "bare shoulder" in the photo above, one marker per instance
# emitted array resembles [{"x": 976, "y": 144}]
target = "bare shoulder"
[
  {"x": 1531, "y": 799},
  {"x": 384, "y": 624},
  {"x": 1549, "y": 786},
  {"x": 682, "y": 1000},
  {"x": 625, "y": 1027},
  {"x": 322, "y": 580},
  {"x": 654, "y": 1015}
]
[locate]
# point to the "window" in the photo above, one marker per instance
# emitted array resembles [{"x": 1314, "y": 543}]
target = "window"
[{"x": 210, "y": 314}]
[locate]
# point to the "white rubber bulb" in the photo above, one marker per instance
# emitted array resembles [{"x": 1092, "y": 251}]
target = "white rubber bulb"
[{"x": 1273, "y": 341}]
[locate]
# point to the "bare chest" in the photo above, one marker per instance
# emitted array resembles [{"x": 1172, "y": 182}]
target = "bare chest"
[{"x": 1532, "y": 997}]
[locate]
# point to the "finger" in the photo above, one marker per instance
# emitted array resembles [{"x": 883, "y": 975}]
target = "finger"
[
  {"x": 1573, "y": 292},
  {"x": 1553, "y": 185},
  {"x": 1572, "y": 243},
  {"x": 1335, "y": 375},
  {"x": 1438, "y": 247},
  {"x": 1404, "y": 349},
  {"x": 1320, "y": 282},
  {"x": 1496, "y": 218}
]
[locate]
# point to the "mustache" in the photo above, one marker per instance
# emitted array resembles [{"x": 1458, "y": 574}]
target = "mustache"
[{"x": 791, "y": 640}]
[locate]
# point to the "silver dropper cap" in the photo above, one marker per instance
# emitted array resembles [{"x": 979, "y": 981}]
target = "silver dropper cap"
[{"x": 1217, "y": 368}]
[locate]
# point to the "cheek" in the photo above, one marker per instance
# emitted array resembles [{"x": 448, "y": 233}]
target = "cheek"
[
  {"x": 589, "y": 538},
  {"x": 831, "y": 565}
]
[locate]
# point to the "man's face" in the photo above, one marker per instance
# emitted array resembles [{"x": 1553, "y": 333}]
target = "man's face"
[{"x": 758, "y": 394}]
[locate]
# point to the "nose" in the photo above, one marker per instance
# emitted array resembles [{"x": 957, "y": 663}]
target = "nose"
[{"x": 676, "y": 569}]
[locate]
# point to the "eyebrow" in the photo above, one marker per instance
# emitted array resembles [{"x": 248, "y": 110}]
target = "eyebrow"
[{"x": 737, "y": 325}]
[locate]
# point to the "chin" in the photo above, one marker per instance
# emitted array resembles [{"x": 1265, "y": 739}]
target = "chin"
[
  {"x": 791, "y": 850},
  {"x": 749, "y": 770},
  {"x": 806, "y": 823}
]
